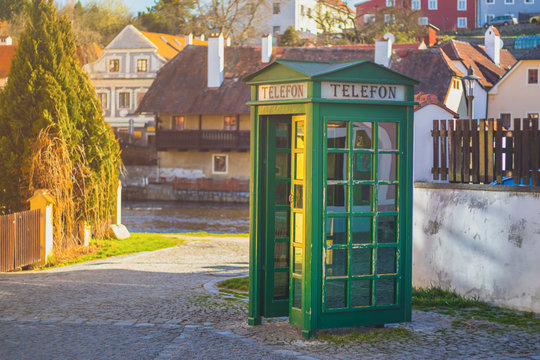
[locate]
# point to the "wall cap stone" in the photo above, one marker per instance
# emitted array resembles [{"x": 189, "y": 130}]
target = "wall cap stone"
[{"x": 477, "y": 187}]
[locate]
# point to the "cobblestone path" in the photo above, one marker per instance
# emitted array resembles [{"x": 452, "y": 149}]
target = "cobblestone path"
[{"x": 162, "y": 305}]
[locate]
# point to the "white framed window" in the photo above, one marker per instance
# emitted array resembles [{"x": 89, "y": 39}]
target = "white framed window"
[
  {"x": 489, "y": 17},
  {"x": 462, "y": 5},
  {"x": 416, "y": 4},
  {"x": 124, "y": 100},
  {"x": 529, "y": 1},
  {"x": 103, "y": 100},
  {"x": 532, "y": 76},
  {"x": 461, "y": 22},
  {"x": 389, "y": 2},
  {"x": 220, "y": 164},
  {"x": 369, "y": 18},
  {"x": 388, "y": 18},
  {"x": 508, "y": 2},
  {"x": 490, "y": 2},
  {"x": 276, "y": 8},
  {"x": 432, "y": 5},
  {"x": 423, "y": 20},
  {"x": 142, "y": 65},
  {"x": 114, "y": 65}
]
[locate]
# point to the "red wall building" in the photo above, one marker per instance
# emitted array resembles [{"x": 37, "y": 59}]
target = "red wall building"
[{"x": 444, "y": 14}]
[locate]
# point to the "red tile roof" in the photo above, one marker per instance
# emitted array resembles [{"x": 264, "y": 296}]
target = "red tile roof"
[
  {"x": 431, "y": 99},
  {"x": 475, "y": 56},
  {"x": 6, "y": 54}
]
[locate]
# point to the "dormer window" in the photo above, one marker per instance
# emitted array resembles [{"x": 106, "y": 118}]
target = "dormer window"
[
  {"x": 114, "y": 65},
  {"x": 142, "y": 65}
]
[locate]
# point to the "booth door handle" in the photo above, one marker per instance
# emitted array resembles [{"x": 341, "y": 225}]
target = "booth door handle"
[{"x": 291, "y": 198}]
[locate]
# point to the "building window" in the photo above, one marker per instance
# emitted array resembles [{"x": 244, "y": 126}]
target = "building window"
[
  {"x": 276, "y": 9},
  {"x": 432, "y": 5},
  {"x": 114, "y": 65},
  {"x": 456, "y": 84},
  {"x": 508, "y": 2},
  {"x": 506, "y": 120},
  {"x": 489, "y": 17},
  {"x": 123, "y": 100},
  {"x": 389, "y": 2},
  {"x": 461, "y": 22},
  {"x": 220, "y": 163},
  {"x": 532, "y": 116},
  {"x": 388, "y": 18},
  {"x": 142, "y": 65},
  {"x": 178, "y": 122},
  {"x": 302, "y": 12},
  {"x": 533, "y": 76},
  {"x": 529, "y": 2},
  {"x": 423, "y": 21},
  {"x": 308, "y": 12},
  {"x": 369, "y": 18},
  {"x": 416, "y": 5},
  {"x": 102, "y": 97},
  {"x": 230, "y": 123},
  {"x": 490, "y": 1},
  {"x": 276, "y": 30},
  {"x": 462, "y": 5}
]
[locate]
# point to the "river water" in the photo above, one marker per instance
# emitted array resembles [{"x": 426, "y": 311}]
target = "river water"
[{"x": 177, "y": 217}]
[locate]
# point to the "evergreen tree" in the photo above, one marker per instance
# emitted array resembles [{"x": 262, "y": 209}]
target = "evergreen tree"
[
  {"x": 47, "y": 90},
  {"x": 290, "y": 38}
]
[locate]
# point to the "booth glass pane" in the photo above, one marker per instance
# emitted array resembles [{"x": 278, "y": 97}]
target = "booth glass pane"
[
  {"x": 298, "y": 196},
  {"x": 336, "y": 294},
  {"x": 336, "y": 262},
  {"x": 386, "y": 260},
  {"x": 387, "y": 167},
  {"x": 337, "y": 135},
  {"x": 283, "y": 136},
  {"x": 336, "y": 231},
  {"x": 336, "y": 198},
  {"x": 362, "y": 198},
  {"x": 281, "y": 224},
  {"x": 283, "y": 165},
  {"x": 299, "y": 166},
  {"x": 386, "y": 198},
  {"x": 363, "y": 166},
  {"x": 388, "y": 136},
  {"x": 337, "y": 166},
  {"x": 363, "y": 135},
  {"x": 281, "y": 285},
  {"x": 298, "y": 260},
  {"x": 299, "y": 144},
  {"x": 387, "y": 229},
  {"x": 361, "y": 292},
  {"x": 361, "y": 260},
  {"x": 281, "y": 254},
  {"x": 283, "y": 190},
  {"x": 386, "y": 292},
  {"x": 362, "y": 230},
  {"x": 297, "y": 293},
  {"x": 298, "y": 227}
]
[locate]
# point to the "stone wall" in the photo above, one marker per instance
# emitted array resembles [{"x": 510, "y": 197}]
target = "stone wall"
[
  {"x": 479, "y": 240},
  {"x": 159, "y": 192}
]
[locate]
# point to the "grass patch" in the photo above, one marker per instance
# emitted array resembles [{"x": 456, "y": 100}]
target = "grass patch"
[
  {"x": 370, "y": 336},
  {"x": 437, "y": 298},
  {"x": 100, "y": 249},
  {"x": 206, "y": 234},
  {"x": 236, "y": 284}
]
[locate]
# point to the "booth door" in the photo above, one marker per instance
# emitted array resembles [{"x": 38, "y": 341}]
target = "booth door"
[{"x": 277, "y": 159}]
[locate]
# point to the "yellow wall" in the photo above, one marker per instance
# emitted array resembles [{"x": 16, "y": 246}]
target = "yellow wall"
[
  {"x": 514, "y": 95},
  {"x": 238, "y": 162}
]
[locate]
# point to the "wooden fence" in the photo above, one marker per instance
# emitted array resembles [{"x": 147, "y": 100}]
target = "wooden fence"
[
  {"x": 19, "y": 239},
  {"x": 483, "y": 151}
]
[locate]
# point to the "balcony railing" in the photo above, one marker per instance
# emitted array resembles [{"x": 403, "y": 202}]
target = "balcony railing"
[{"x": 202, "y": 140}]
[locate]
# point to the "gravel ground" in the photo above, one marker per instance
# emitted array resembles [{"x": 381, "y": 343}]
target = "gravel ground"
[{"x": 162, "y": 305}]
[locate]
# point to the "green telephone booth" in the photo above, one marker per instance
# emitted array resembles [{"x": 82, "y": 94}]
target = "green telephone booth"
[{"x": 331, "y": 194}]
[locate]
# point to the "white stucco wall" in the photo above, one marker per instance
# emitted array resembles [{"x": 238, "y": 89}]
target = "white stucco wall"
[
  {"x": 423, "y": 141},
  {"x": 478, "y": 242}
]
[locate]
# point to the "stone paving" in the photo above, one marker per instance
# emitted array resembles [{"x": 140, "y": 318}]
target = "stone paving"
[{"x": 163, "y": 305}]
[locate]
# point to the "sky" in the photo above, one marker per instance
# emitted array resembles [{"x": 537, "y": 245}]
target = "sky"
[{"x": 137, "y": 6}]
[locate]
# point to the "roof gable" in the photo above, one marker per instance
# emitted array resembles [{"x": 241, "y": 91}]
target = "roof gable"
[{"x": 130, "y": 38}]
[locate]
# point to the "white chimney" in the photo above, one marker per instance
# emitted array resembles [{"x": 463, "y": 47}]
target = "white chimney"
[
  {"x": 6, "y": 40},
  {"x": 216, "y": 61},
  {"x": 493, "y": 44},
  {"x": 189, "y": 39},
  {"x": 266, "y": 48},
  {"x": 383, "y": 49}
]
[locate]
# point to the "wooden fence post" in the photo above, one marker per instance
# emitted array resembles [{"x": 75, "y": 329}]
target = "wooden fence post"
[{"x": 44, "y": 201}]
